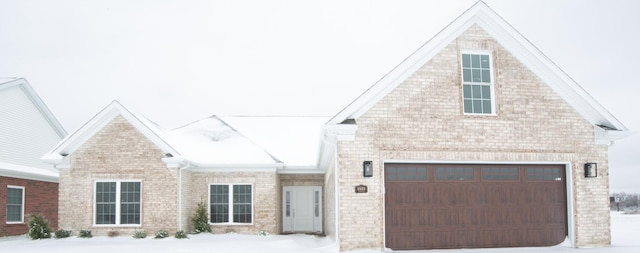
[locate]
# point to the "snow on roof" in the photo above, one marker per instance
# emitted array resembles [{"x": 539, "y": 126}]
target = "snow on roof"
[
  {"x": 293, "y": 139},
  {"x": 211, "y": 141}
]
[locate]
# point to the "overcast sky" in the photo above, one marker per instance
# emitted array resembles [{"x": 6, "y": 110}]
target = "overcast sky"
[{"x": 178, "y": 61}]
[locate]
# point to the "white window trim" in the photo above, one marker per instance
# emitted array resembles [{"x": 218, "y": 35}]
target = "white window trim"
[
  {"x": 21, "y": 206},
  {"x": 494, "y": 109},
  {"x": 95, "y": 184},
  {"x": 230, "y": 203}
]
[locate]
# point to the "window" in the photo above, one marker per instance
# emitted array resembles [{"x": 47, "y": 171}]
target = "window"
[
  {"x": 408, "y": 173},
  {"x": 477, "y": 87},
  {"x": 454, "y": 174},
  {"x": 15, "y": 204},
  {"x": 118, "y": 203},
  {"x": 543, "y": 174},
  {"x": 231, "y": 203},
  {"x": 500, "y": 174}
]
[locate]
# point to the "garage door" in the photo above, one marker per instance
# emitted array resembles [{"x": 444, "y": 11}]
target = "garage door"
[{"x": 432, "y": 206}]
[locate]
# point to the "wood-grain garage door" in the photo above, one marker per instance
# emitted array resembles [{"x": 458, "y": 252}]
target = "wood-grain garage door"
[{"x": 429, "y": 206}]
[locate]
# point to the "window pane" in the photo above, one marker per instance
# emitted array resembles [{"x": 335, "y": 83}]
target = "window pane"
[
  {"x": 486, "y": 92},
  {"x": 486, "y": 76},
  {"x": 477, "y": 106},
  {"x": 106, "y": 203},
  {"x": 476, "y": 91},
  {"x": 543, "y": 174},
  {"x": 466, "y": 75},
  {"x": 475, "y": 76},
  {"x": 391, "y": 174},
  {"x": 468, "y": 107},
  {"x": 466, "y": 61},
  {"x": 466, "y": 91},
  {"x": 485, "y": 61},
  {"x": 475, "y": 61},
  {"x": 422, "y": 173},
  {"x": 316, "y": 201},
  {"x": 486, "y": 106}
]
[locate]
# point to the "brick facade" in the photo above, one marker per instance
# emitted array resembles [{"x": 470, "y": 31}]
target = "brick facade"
[
  {"x": 40, "y": 198},
  {"x": 118, "y": 152},
  {"x": 422, "y": 119}
]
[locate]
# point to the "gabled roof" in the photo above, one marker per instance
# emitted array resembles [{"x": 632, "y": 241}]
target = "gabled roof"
[
  {"x": 28, "y": 128},
  {"x": 211, "y": 142},
  {"x": 480, "y": 14},
  {"x": 207, "y": 143},
  {"x": 74, "y": 141},
  {"x": 6, "y": 83}
]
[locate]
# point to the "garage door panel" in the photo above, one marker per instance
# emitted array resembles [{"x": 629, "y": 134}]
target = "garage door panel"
[{"x": 448, "y": 208}]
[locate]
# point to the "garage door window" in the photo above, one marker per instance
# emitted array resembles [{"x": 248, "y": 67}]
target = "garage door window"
[
  {"x": 500, "y": 174},
  {"x": 543, "y": 174},
  {"x": 407, "y": 174},
  {"x": 454, "y": 174}
]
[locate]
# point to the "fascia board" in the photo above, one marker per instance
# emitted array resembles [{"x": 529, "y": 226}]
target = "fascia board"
[{"x": 30, "y": 173}]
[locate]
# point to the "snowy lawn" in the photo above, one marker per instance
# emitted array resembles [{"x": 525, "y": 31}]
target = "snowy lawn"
[{"x": 625, "y": 232}]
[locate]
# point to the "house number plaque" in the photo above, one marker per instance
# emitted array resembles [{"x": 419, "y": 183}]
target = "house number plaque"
[{"x": 361, "y": 189}]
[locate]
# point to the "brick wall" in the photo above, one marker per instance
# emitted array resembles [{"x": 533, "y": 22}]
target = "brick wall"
[
  {"x": 422, "y": 119},
  {"x": 40, "y": 198},
  {"x": 118, "y": 152},
  {"x": 265, "y": 198}
]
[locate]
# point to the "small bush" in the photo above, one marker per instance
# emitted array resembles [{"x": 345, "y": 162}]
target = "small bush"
[
  {"x": 38, "y": 227},
  {"x": 61, "y": 233},
  {"x": 200, "y": 219},
  {"x": 139, "y": 234},
  {"x": 113, "y": 233},
  {"x": 161, "y": 234},
  {"x": 262, "y": 233},
  {"x": 85, "y": 234},
  {"x": 180, "y": 234}
]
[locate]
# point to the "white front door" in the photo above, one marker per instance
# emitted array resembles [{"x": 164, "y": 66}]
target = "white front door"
[{"x": 302, "y": 209}]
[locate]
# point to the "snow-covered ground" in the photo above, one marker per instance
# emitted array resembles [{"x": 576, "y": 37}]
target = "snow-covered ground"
[{"x": 625, "y": 232}]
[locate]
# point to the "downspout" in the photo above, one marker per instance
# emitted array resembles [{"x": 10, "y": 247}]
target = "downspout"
[
  {"x": 180, "y": 194},
  {"x": 337, "y": 192}
]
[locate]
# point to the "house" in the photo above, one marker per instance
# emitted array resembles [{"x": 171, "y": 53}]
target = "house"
[
  {"x": 28, "y": 130},
  {"x": 475, "y": 140}
]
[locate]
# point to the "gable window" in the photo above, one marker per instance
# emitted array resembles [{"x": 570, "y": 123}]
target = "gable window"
[
  {"x": 15, "y": 204},
  {"x": 231, "y": 203},
  {"x": 118, "y": 203},
  {"x": 477, "y": 85}
]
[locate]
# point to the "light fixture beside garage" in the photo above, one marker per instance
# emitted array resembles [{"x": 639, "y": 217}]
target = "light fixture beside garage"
[
  {"x": 590, "y": 170},
  {"x": 367, "y": 169}
]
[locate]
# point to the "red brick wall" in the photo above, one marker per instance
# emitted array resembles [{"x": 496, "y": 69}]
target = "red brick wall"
[{"x": 40, "y": 197}]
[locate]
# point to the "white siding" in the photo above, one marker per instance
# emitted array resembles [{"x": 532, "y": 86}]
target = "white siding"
[{"x": 25, "y": 134}]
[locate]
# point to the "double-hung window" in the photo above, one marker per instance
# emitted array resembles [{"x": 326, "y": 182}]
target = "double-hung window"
[
  {"x": 118, "y": 203},
  {"x": 15, "y": 204},
  {"x": 231, "y": 203},
  {"x": 477, "y": 84}
]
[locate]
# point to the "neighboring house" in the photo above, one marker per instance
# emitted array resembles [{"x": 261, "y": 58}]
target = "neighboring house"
[
  {"x": 475, "y": 140},
  {"x": 27, "y": 130}
]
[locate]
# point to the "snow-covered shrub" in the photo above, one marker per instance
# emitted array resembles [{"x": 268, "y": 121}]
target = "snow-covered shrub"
[
  {"x": 38, "y": 227},
  {"x": 200, "y": 219},
  {"x": 180, "y": 234},
  {"x": 85, "y": 234},
  {"x": 161, "y": 234},
  {"x": 61, "y": 233},
  {"x": 263, "y": 233},
  {"x": 139, "y": 234}
]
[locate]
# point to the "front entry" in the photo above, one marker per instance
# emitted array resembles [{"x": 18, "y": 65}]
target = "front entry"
[{"x": 302, "y": 209}]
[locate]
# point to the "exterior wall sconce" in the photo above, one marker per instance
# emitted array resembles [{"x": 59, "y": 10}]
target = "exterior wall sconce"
[
  {"x": 367, "y": 169},
  {"x": 590, "y": 170}
]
